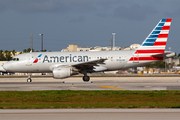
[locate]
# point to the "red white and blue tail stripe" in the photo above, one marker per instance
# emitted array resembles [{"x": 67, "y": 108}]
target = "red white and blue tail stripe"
[{"x": 154, "y": 44}]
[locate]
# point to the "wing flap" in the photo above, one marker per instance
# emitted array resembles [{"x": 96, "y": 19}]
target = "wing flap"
[{"x": 89, "y": 65}]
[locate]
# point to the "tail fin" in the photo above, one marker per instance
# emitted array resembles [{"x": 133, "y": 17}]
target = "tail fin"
[
  {"x": 153, "y": 47},
  {"x": 156, "y": 40}
]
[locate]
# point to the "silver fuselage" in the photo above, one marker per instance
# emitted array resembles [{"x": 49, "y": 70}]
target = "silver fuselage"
[{"x": 38, "y": 62}]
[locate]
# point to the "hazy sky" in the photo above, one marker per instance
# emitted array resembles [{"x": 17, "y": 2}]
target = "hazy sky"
[{"x": 84, "y": 22}]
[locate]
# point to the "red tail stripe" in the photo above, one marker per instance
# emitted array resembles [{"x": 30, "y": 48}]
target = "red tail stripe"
[
  {"x": 149, "y": 51},
  {"x": 159, "y": 43},
  {"x": 162, "y": 35},
  {"x": 168, "y": 20},
  {"x": 145, "y": 58},
  {"x": 166, "y": 28}
]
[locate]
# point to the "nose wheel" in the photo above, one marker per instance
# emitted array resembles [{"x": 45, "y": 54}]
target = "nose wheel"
[{"x": 29, "y": 79}]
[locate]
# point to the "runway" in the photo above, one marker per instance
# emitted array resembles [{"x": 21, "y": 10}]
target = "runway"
[
  {"x": 90, "y": 114},
  {"x": 98, "y": 83}
]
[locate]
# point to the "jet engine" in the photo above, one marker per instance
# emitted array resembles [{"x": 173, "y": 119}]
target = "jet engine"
[{"x": 63, "y": 72}]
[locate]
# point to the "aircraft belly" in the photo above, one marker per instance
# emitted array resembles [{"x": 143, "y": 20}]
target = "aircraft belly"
[
  {"x": 130, "y": 65},
  {"x": 44, "y": 68},
  {"x": 34, "y": 68},
  {"x": 115, "y": 65}
]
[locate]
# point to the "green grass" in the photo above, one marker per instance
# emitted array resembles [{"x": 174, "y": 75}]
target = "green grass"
[{"x": 89, "y": 99}]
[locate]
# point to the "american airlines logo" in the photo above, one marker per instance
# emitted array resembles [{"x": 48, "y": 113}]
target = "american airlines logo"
[
  {"x": 36, "y": 60},
  {"x": 62, "y": 59}
]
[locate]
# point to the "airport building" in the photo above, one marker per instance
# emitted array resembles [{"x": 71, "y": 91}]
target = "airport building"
[
  {"x": 74, "y": 47},
  {"x": 131, "y": 47}
]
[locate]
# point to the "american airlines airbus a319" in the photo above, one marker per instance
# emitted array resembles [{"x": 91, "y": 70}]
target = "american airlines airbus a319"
[{"x": 66, "y": 64}]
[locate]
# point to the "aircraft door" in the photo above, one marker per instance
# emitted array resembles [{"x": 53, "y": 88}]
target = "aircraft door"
[
  {"x": 28, "y": 60},
  {"x": 136, "y": 58}
]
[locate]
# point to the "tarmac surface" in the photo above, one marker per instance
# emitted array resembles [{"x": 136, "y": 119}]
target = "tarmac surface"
[
  {"x": 90, "y": 114},
  {"x": 96, "y": 83}
]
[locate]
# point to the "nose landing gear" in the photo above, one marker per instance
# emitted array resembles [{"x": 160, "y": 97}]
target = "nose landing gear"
[{"x": 29, "y": 79}]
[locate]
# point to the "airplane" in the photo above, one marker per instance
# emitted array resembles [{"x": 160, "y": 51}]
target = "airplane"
[{"x": 66, "y": 64}]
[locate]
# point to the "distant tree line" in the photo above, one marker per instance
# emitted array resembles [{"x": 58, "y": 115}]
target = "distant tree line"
[
  {"x": 159, "y": 64},
  {"x": 29, "y": 49},
  {"x": 7, "y": 55}
]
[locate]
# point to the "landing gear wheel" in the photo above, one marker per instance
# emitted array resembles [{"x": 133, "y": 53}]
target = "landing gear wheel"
[
  {"x": 29, "y": 80},
  {"x": 86, "y": 78}
]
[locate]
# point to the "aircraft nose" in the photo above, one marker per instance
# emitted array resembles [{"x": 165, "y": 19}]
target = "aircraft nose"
[
  {"x": 2, "y": 69},
  {"x": 6, "y": 66}
]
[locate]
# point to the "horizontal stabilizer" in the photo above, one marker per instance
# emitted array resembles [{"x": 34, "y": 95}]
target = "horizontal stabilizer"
[{"x": 166, "y": 54}]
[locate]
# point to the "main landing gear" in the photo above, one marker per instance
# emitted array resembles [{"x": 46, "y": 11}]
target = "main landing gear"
[
  {"x": 29, "y": 79},
  {"x": 86, "y": 78}
]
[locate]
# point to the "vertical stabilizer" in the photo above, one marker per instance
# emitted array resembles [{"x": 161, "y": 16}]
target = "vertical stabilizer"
[
  {"x": 156, "y": 40},
  {"x": 154, "y": 44}
]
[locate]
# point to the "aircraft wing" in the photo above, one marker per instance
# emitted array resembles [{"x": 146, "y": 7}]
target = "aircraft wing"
[{"x": 89, "y": 64}]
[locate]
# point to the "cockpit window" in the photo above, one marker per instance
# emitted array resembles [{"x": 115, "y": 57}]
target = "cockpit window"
[{"x": 15, "y": 59}]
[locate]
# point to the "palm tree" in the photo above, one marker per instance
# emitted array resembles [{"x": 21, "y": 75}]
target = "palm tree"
[
  {"x": 14, "y": 52},
  {"x": 7, "y": 55},
  {"x": 2, "y": 58},
  {"x": 24, "y": 51}
]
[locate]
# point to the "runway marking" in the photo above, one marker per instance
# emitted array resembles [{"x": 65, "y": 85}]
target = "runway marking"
[{"x": 111, "y": 87}]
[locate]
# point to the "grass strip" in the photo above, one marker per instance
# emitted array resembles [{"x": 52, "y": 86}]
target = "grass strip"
[{"x": 88, "y": 99}]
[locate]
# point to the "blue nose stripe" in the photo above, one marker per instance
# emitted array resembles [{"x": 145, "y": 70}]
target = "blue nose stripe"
[{"x": 40, "y": 55}]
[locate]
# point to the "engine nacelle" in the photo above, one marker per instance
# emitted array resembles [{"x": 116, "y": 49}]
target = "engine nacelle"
[
  {"x": 99, "y": 68},
  {"x": 62, "y": 72}
]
